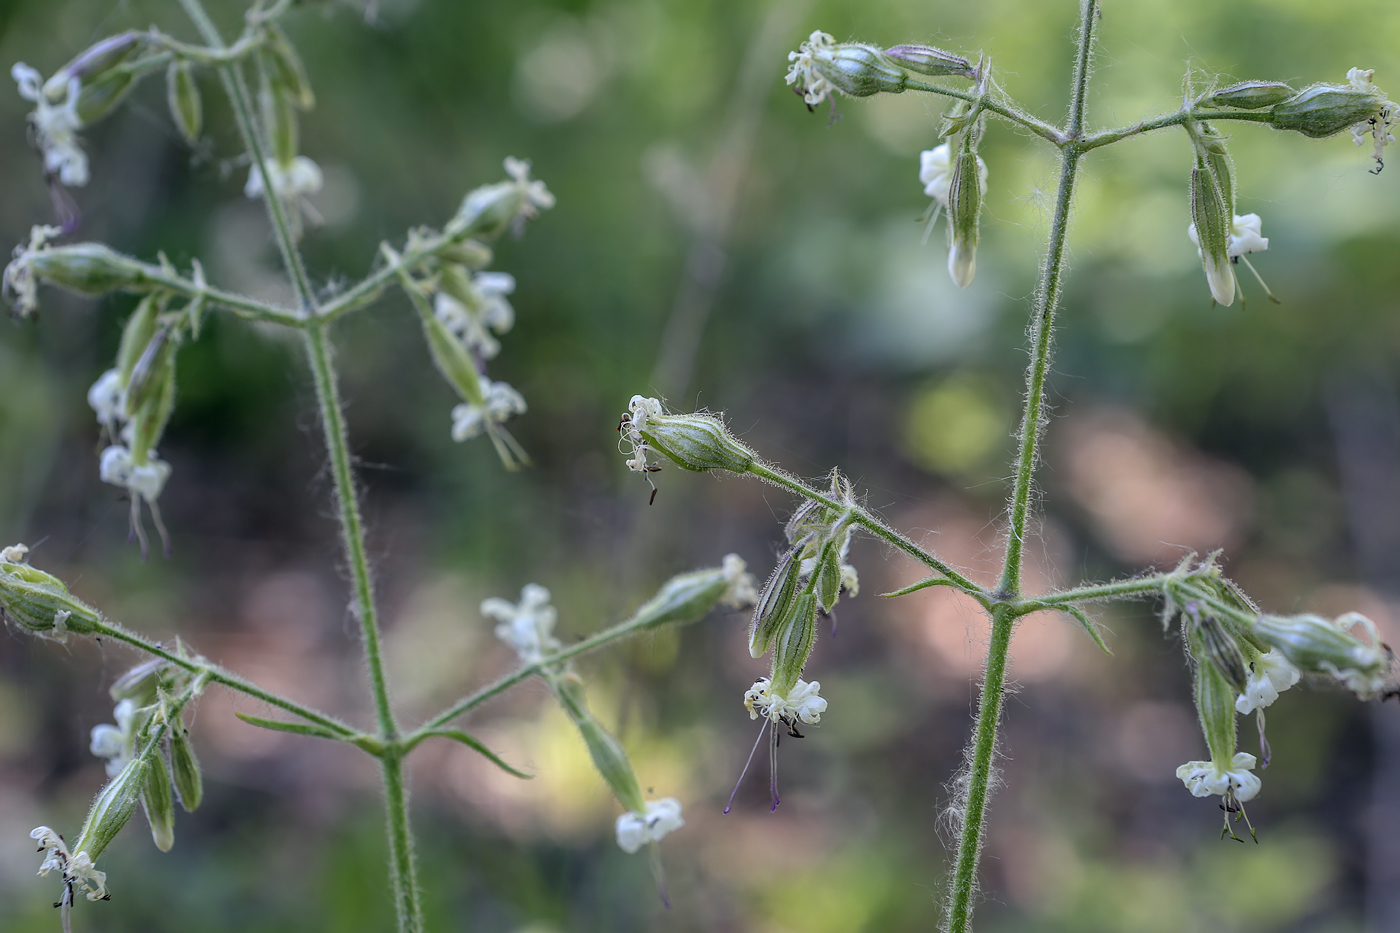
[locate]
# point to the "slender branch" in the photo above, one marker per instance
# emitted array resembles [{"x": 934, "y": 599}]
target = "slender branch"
[
  {"x": 219, "y": 675},
  {"x": 408, "y": 897},
  {"x": 1001, "y": 108},
  {"x": 877, "y": 527},
  {"x": 242, "y": 305},
  {"x": 368, "y": 288},
  {"x": 218, "y": 55},
  {"x": 1118, "y": 589},
  {"x": 1108, "y": 137}
]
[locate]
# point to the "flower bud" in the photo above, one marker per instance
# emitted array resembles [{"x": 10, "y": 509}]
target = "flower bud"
[
  {"x": 140, "y": 685},
  {"x": 1324, "y": 110},
  {"x": 93, "y": 64},
  {"x": 40, "y": 603},
  {"x": 859, "y": 70},
  {"x": 964, "y": 211},
  {"x": 487, "y": 211},
  {"x": 112, "y": 808},
  {"x": 603, "y": 747},
  {"x": 1315, "y": 644},
  {"x": 145, "y": 381},
  {"x": 186, "y": 106},
  {"x": 453, "y": 360},
  {"x": 286, "y": 71},
  {"x": 829, "y": 577},
  {"x": 927, "y": 60},
  {"x": 279, "y": 115},
  {"x": 697, "y": 442},
  {"x": 688, "y": 596},
  {"x": 773, "y": 603},
  {"x": 1215, "y": 705},
  {"x": 1250, "y": 95},
  {"x": 158, "y": 801},
  {"x": 1212, "y": 220},
  {"x": 1211, "y": 644},
  {"x": 794, "y": 643},
  {"x": 456, "y": 281},
  {"x": 469, "y": 253},
  {"x": 136, "y": 336},
  {"x": 86, "y": 268},
  {"x": 184, "y": 768}
]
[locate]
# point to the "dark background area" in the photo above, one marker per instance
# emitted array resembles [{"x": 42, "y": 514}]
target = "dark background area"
[{"x": 831, "y": 337}]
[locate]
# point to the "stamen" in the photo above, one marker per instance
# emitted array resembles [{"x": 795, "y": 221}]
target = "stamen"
[
  {"x": 160, "y": 527},
  {"x": 933, "y": 219},
  {"x": 752, "y": 752},
  {"x": 1265, "y": 752},
  {"x": 773, "y": 771},
  {"x": 1271, "y": 295},
  {"x": 136, "y": 529},
  {"x": 658, "y": 872}
]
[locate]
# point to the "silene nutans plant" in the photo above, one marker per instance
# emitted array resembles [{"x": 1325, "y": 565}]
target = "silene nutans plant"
[{"x": 450, "y": 286}]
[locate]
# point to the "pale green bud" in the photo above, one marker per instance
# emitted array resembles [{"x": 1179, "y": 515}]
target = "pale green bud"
[
  {"x": 145, "y": 380},
  {"x": 829, "y": 577},
  {"x": 1211, "y": 644},
  {"x": 603, "y": 747},
  {"x": 136, "y": 335},
  {"x": 488, "y": 211},
  {"x": 1250, "y": 95},
  {"x": 286, "y": 71},
  {"x": 794, "y": 643},
  {"x": 964, "y": 213},
  {"x": 186, "y": 105},
  {"x": 93, "y": 64},
  {"x": 86, "y": 268},
  {"x": 101, "y": 97},
  {"x": 140, "y": 685},
  {"x": 1325, "y": 110},
  {"x": 456, "y": 281},
  {"x": 184, "y": 768},
  {"x": 1316, "y": 644},
  {"x": 452, "y": 359},
  {"x": 1212, "y": 219},
  {"x": 1215, "y": 705},
  {"x": 927, "y": 60},
  {"x": 695, "y": 441},
  {"x": 773, "y": 604},
  {"x": 469, "y": 253},
  {"x": 279, "y": 115},
  {"x": 688, "y": 596},
  {"x": 112, "y": 808},
  {"x": 859, "y": 70},
  {"x": 159, "y": 801},
  {"x": 39, "y": 602}
]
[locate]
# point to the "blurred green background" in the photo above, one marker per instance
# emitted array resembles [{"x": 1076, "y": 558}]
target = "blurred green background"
[{"x": 717, "y": 243}]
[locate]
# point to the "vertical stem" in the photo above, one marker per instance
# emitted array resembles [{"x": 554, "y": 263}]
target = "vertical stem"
[
  {"x": 983, "y": 750},
  {"x": 407, "y": 898},
  {"x": 979, "y": 778}
]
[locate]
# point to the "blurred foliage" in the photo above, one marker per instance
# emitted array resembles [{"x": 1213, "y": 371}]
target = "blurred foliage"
[{"x": 836, "y": 338}]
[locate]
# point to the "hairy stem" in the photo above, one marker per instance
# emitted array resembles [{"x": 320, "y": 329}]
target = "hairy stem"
[
  {"x": 1001, "y": 108},
  {"x": 1118, "y": 589},
  {"x": 875, "y": 526},
  {"x": 980, "y": 764},
  {"x": 219, "y": 675},
  {"x": 407, "y": 900}
]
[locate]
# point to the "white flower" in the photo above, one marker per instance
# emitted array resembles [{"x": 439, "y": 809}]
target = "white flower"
[
  {"x": 56, "y": 125},
  {"x": 496, "y": 312},
  {"x": 491, "y": 312},
  {"x": 802, "y": 702},
  {"x": 528, "y": 626},
  {"x": 294, "y": 180},
  {"x": 146, "y": 480},
  {"x": 20, "y": 285},
  {"x": 536, "y": 196},
  {"x": 116, "y": 743},
  {"x": 1378, "y": 127},
  {"x": 77, "y": 870},
  {"x": 14, "y": 554},
  {"x": 662, "y": 817},
  {"x": 936, "y": 173},
  {"x": 1204, "y": 778},
  {"x": 1245, "y": 238},
  {"x": 742, "y": 592},
  {"x": 502, "y": 402},
  {"x": 1271, "y": 674},
  {"x": 465, "y": 326},
  {"x": 803, "y": 74},
  {"x": 107, "y": 398},
  {"x": 640, "y": 412}
]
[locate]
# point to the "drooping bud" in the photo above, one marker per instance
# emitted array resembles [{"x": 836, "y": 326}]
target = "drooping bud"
[
  {"x": 1215, "y": 702},
  {"x": 794, "y": 643},
  {"x": 773, "y": 604},
  {"x": 93, "y": 63},
  {"x": 184, "y": 768},
  {"x": 467, "y": 253},
  {"x": 453, "y": 360},
  {"x": 1325, "y": 110},
  {"x": 86, "y": 268},
  {"x": 136, "y": 336},
  {"x": 279, "y": 115},
  {"x": 686, "y": 597},
  {"x": 101, "y": 97},
  {"x": 287, "y": 73},
  {"x": 964, "y": 212},
  {"x": 186, "y": 105},
  {"x": 39, "y": 602},
  {"x": 829, "y": 576},
  {"x": 112, "y": 808},
  {"x": 927, "y": 60},
  {"x": 140, "y": 684},
  {"x": 1316, "y": 644},
  {"x": 603, "y": 747},
  {"x": 1211, "y": 219},
  {"x": 1250, "y": 95},
  {"x": 144, "y": 381},
  {"x": 158, "y": 801}
]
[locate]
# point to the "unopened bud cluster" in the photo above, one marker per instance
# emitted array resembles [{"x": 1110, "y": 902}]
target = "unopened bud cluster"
[{"x": 822, "y": 66}]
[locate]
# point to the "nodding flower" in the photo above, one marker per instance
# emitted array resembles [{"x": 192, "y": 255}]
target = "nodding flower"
[
  {"x": 56, "y": 123},
  {"x": 803, "y": 703}
]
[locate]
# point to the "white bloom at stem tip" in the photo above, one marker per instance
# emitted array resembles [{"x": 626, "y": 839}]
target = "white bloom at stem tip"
[
  {"x": 501, "y": 403},
  {"x": 56, "y": 125},
  {"x": 536, "y": 197},
  {"x": 21, "y": 287},
  {"x": 640, "y": 412},
  {"x": 1270, "y": 674},
  {"x": 1245, "y": 237},
  {"x": 78, "y": 870},
  {"x": 803, "y": 76},
  {"x": 1204, "y": 778},
  {"x": 116, "y": 743},
  {"x": 803, "y": 702},
  {"x": 662, "y": 817},
  {"x": 1379, "y": 126},
  {"x": 107, "y": 397},
  {"x": 527, "y": 626}
]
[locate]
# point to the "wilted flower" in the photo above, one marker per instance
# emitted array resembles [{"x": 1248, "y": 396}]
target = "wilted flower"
[
  {"x": 1204, "y": 778},
  {"x": 1378, "y": 126},
  {"x": 21, "y": 285},
  {"x": 1270, "y": 674},
  {"x": 527, "y": 626},
  {"x": 661, "y": 818},
  {"x": 56, "y": 124},
  {"x": 501, "y": 403}
]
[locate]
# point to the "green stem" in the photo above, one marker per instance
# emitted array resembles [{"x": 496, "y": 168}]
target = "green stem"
[
  {"x": 875, "y": 526},
  {"x": 408, "y": 898},
  {"x": 241, "y": 305},
  {"x": 368, "y": 288},
  {"x": 1108, "y": 137},
  {"x": 219, "y": 675},
  {"x": 992, "y": 105},
  {"x": 1137, "y": 586},
  {"x": 979, "y": 778}
]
